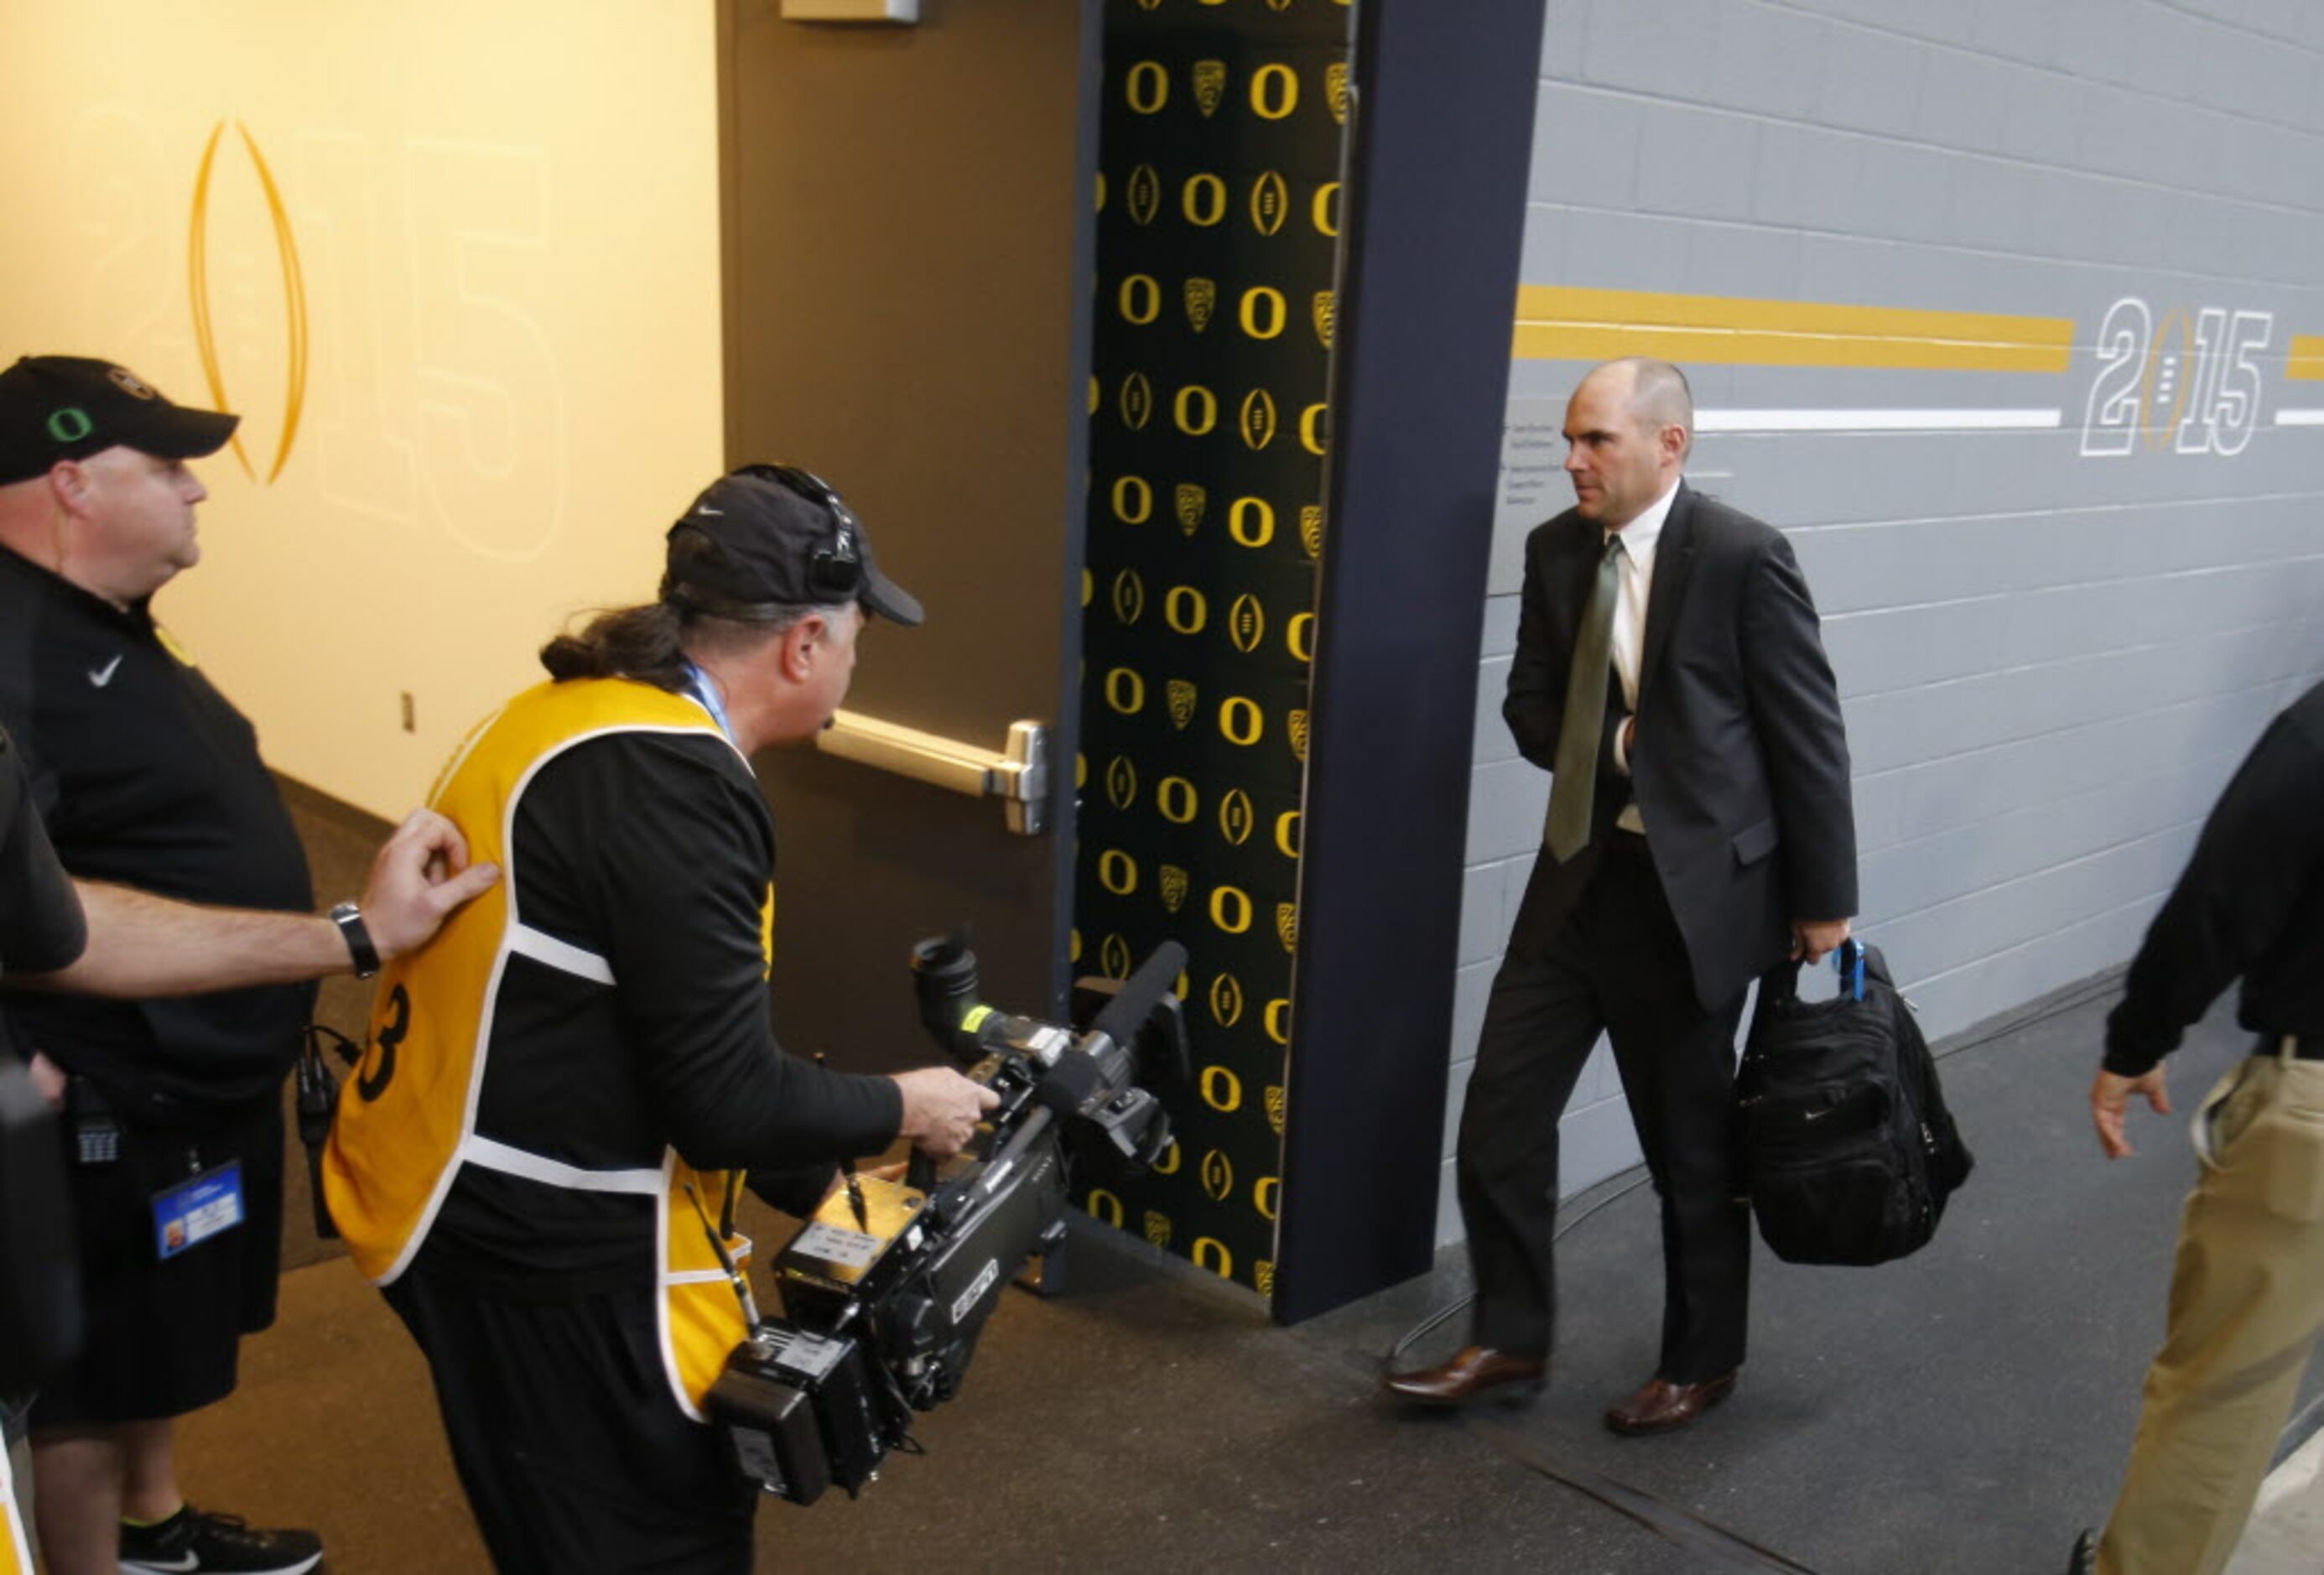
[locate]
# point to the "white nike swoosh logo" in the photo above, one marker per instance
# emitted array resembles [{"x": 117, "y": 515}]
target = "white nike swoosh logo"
[
  {"x": 182, "y": 1561},
  {"x": 101, "y": 677}
]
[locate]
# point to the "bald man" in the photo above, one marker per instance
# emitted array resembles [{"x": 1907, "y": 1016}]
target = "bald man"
[{"x": 1670, "y": 674}]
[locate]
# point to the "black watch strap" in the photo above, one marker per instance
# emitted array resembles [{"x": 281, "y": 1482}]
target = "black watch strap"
[{"x": 349, "y": 918}]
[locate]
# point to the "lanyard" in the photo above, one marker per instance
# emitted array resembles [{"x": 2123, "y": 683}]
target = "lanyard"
[{"x": 706, "y": 691}]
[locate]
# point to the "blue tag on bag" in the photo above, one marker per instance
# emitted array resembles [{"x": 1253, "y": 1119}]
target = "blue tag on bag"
[{"x": 193, "y": 1211}]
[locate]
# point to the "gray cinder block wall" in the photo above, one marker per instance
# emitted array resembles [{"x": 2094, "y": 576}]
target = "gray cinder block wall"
[{"x": 2062, "y": 588}]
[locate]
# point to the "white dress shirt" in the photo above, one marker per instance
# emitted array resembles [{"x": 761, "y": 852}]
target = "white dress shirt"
[{"x": 1639, "y": 539}]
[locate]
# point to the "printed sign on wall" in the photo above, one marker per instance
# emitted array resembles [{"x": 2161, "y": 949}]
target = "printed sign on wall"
[{"x": 1218, "y": 226}]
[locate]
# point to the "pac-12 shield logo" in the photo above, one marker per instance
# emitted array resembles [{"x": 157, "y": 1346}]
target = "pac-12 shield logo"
[
  {"x": 1202, "y": 302},
  {"x": 1286, "y": 924},
  {"x": 1210, "y": 85},
  {"x": 1182, "y": 697},
  {"x": 1325, "y": 311},
  {"x": 1311, "y": 528},
  {"x": 1174, "y": 887},
  {"x": 1193, "y": 501}
]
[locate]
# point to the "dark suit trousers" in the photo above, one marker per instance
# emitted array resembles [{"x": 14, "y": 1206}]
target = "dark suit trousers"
[{"x": 1617, "y": 964}]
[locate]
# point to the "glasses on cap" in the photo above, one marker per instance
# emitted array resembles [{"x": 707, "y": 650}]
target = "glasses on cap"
[{"x": 833, "y": 573}]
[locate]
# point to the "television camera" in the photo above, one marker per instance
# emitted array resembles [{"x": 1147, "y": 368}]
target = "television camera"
[{"x": 886, "y": 1289}]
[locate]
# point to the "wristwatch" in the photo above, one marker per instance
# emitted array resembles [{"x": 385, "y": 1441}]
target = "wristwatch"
[{"x": 349, "y": 918}]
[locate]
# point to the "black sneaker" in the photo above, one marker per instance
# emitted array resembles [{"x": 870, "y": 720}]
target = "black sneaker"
[{"x": 191, "y": 1540}]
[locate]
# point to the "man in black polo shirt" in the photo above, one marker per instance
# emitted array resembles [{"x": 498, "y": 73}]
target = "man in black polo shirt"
[
  {"x": 2248, "y": 1294},
  {"x": 109, "y": 940},
  {"x": 146, "y": 777}
]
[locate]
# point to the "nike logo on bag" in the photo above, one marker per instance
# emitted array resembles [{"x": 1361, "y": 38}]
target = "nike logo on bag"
[{"x": 101, "y": 677}]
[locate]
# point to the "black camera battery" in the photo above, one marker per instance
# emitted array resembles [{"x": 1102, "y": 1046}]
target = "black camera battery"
[{"x": 798, "y": 1409}]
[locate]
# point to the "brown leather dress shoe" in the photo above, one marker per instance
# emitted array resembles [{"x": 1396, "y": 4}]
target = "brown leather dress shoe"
[
  {"x": 1473, "y": 1370},
  {"x": 1661, "y": 1405}
]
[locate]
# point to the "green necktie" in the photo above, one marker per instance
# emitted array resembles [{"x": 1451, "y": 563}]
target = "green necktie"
[{"x": 1573, "y": 780}]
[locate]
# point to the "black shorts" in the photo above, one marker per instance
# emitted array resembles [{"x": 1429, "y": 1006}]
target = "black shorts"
[{"x": 162, "y": 1334}]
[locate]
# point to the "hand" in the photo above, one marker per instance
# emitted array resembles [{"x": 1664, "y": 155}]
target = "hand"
[
  {"x": 419, "y": 876},
  {"x": 2110, "y": 1096},
  {"x": 1812, "y": 938},
  {"x": 942, "y": 1108},
  {"x": 48, "y": 1078}
]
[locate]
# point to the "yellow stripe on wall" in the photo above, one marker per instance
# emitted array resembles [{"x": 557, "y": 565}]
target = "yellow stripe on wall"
[
  {"x": 1559, "y": 323},
  {"x": 2306, "y": 361}
]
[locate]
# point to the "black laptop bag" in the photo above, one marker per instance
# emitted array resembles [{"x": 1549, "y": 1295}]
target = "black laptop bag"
[{"x": 1848, "y": 1150}]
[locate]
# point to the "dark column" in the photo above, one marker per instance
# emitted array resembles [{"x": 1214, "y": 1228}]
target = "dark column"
[{"x": 1444, "y": 130}]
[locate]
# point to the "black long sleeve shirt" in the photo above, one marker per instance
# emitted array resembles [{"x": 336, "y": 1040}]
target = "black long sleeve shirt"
[{"x": 2250, "y": 904}]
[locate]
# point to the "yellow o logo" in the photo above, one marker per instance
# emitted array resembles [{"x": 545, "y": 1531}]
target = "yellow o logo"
[
  {"x": 1133, "y": 500},
  {"x": 1089, "y": 587},
  {"x": 1324, "y": 211},
  {"x": 1104, "y": 1205},
  {"x": 1310, "y": 429},
  {"x": 1300, "y": 636},
  {"x": 1204, "y": 199},
  {"x": 1264, "y": 1194},
  {"x": 1149, "y": 86},
  {"x": 1168, "y": 1164},
  {"x": 1177, "y": 800},
  {"x": 1195, "y": 409},
  {"x": 1274, "y": 92},
  {"x": 1286, "y": 833},
  {"x": 1277, "y": 1021},
  {"x": 1229, "y": 909},
  {"x": 1125, "y": 691},
  {"x": 1252, "y": 521},
  {"x": 1263, "y": 311},
  {"x": 1185, "y": 610},
  {"x": 1117, "y": 872},
  {"x": 1222, "y": 1089},
  {"x": 1240, "y": 721},
  {"x": 1141, "y": 298},
  {"x": 1211, "y": 1253}
]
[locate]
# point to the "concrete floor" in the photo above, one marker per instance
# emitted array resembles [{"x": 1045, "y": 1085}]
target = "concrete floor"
[{"x": 1962, "y": 1412}]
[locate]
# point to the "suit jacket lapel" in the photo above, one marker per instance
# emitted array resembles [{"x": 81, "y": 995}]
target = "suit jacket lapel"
[{"x": 1674, "y": 561}]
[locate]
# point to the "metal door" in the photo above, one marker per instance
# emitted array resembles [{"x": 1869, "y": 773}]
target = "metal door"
[{"x": 908, "y": 243}]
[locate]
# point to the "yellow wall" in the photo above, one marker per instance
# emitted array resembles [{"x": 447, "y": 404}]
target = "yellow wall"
[{"x": 496, "y": 360}]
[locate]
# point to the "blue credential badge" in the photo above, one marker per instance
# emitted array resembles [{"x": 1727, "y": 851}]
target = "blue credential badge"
[{"x": 193, "y": 1211}]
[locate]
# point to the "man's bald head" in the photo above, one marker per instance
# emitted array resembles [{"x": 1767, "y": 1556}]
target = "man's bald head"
[
  {"x": 1628, "y": 430},
  {"x": 1655, "y": 392}
]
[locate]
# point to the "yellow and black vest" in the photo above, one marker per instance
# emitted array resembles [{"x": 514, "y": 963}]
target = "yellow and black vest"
[{"x": 408, "y": 1132}]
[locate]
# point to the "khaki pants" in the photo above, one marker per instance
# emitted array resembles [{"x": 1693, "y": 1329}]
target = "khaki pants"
[{"x": 2246, "y": 1305}]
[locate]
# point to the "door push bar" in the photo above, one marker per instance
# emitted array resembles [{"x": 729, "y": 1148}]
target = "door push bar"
[{"x": 1019, "y": 777}]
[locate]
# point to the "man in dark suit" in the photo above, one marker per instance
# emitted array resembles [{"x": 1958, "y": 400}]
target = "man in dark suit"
[{"x": 1670, "y": 674}]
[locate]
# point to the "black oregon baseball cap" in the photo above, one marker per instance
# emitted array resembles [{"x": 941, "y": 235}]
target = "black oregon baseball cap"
[
  {"x": 774, "y": 536},
  {"x": 70, "y": 407}
]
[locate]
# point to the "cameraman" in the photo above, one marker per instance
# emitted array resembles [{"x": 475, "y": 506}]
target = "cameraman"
[{"x": 539, "y": 1160}]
